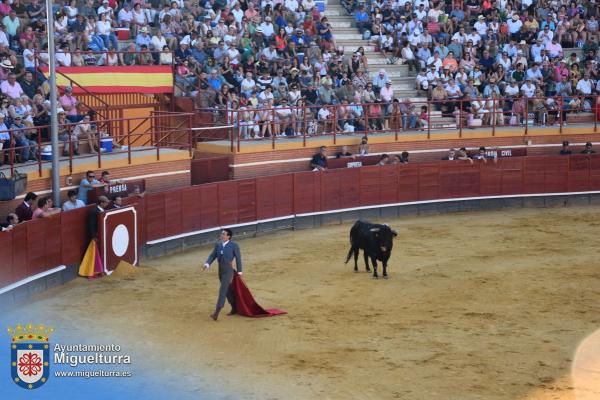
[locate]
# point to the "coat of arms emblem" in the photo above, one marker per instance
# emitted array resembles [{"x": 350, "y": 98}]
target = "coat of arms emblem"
[{"x": 30, "y": 355}]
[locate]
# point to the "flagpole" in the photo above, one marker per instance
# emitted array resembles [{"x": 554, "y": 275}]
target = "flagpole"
[{"x": 53, "y": 106}]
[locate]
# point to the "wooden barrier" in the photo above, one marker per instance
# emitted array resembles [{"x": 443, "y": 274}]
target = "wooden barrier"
[{"x": 43, "y": 244}]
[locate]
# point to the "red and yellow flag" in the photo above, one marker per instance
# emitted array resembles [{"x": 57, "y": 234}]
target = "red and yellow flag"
[{"x": 125, "y": 79}]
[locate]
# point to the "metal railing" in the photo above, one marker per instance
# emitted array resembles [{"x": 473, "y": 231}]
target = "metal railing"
[
  {"x": 397, "y": 118},
  {"x": 157, "y": 136}
]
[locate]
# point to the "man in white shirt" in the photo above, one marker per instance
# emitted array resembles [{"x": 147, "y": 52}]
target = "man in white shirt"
[
  {"x": 105, "y": 8},
  {"x": 238, "y": 13},
  {"x": 125, "y": 16},
  {"x": 269, "y": 52},
  {"x": 474, "y": 37},
  {"x": 480, "y": 26},
  {"x": 266, "y": 95},
  {"x": 267, "y": 28},
  {"x": 514, "y": 25},
  {"x": 584, "y": 86},
  {"x": 460, "y": 36},
  {"x": 528, "y": 88},
  {"x": 248, "y": 84},
  {"x": 291, "y": 5},
  {"x": 421, "y": 13},
  {"x": 63, "y": 57}
]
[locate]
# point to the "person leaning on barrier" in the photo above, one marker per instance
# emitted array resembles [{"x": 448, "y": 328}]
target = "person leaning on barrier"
[
  {"x": 588, "y": 149},
  {"x": 319, "y": 160},
  {"x": 44, "y": 208},
  {"x": 11, "y": 221},
  {"x": 454, "y": 155},
  {"x": 565, "y": 150},
  {"x": 384, "y": 160},
  {"x": 343, "y": 153}
]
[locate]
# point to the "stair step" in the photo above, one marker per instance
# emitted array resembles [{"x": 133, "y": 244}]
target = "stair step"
[
  {"x": 349, "y": 36},
  {"x": 337, "y": 24},
  {"x": 354, "y": 47},
  {"x": 344, "y": 31}
]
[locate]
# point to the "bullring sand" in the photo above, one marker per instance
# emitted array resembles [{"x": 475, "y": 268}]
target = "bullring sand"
[{"x": 487, "y": 305}]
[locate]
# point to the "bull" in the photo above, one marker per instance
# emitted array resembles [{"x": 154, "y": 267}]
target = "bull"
[{"x": 376, "y": 241}]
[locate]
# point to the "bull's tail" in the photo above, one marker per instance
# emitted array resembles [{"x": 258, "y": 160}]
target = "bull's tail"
[{"x": 349, "y": 255}]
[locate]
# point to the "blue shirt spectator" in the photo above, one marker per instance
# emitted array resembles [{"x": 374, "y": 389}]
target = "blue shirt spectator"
[{"x": 88, "y": 183}]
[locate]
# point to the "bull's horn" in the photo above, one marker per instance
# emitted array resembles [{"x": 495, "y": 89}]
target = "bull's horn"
[{"x": 375, "y": 229}]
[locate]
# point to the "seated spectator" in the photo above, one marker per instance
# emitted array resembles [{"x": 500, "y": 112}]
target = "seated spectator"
[
  {"x": 588, "y": 149},
  {"x": 116, "y": 203},
  {"x": 319, "y": 160},
  {"x": 11, "y": 221},
  {"x": 25, "y": 145},
  {"x": 84, "y": 130},
  {"x": 403, "y": 157},
  {"x": 343, "y": 153},
  {"x": 70, "y": 104},
  {"x": 10, "y": 87},
  {"x": 73, "y": 202},
  {"x": 5, "y": 138},
  {"x": 384, "y": 160},
  {"x": 44, "y": 208},
  {"x": 454, "y": 155},
  {"x": 565, "y": 149}
]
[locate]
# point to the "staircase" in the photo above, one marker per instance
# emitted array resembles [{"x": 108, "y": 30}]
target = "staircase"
[{"x": 349, "y": 38}]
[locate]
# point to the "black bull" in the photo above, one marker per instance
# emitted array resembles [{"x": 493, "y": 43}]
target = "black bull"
[{"x": 375, "y": 240}]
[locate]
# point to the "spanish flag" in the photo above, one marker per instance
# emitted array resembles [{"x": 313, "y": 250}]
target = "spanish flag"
[{"x": 125, "y": 79}]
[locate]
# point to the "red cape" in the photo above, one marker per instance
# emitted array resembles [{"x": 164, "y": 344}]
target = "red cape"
[{"x": 245, "y": 303}]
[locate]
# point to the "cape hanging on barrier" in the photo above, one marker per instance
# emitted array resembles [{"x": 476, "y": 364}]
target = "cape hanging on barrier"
[
  {"x": 245, "y": 303},
  {"x": 91, "y": 265}
]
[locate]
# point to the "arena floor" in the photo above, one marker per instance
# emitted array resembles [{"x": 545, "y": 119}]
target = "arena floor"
[{"x": 486, "y": 305}]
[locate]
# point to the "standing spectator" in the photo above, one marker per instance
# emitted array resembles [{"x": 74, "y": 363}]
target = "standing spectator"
[
  {"x": 92, "y": 222},
  {"x": 24, "y": 211},
  {"x": 88, "y": 183}
]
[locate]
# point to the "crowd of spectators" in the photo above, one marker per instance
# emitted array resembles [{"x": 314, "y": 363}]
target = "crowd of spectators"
[
  {"x": 497, "y": 61},
  {"x": 265, "y": 61}
]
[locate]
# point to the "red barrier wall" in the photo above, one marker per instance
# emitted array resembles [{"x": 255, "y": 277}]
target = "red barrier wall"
[{"x": 39, "y": 245}]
